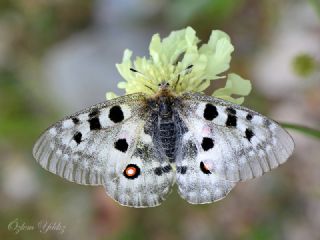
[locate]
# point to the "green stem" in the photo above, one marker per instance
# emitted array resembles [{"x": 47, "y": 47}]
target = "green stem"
[
  {"x": 316, "y": 5},
  {"x": 305, "y": 130}
]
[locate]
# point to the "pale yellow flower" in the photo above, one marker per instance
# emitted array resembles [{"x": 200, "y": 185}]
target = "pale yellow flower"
[{"x": 178, "y": 60}]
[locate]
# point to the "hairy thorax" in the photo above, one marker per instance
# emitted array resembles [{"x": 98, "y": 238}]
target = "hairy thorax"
[{"x": 165, "y": 122}]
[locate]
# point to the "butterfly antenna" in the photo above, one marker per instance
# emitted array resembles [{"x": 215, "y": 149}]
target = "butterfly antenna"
[
  {"x": 187, "y": 70},
  {"x": 136, "y": 71}
]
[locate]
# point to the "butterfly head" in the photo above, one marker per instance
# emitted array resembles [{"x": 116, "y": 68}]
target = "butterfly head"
[{"x": 164, "y": 86}]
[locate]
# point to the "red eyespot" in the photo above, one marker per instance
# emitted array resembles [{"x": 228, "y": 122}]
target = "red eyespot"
[
  {"x": 205, "y": 168},
  {"x": 132, "y": 171}
]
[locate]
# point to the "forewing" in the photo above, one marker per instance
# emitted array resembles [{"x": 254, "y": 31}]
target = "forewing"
[
  {"x": 73, "y": 148},
  {"x": 233, "y": 142}
]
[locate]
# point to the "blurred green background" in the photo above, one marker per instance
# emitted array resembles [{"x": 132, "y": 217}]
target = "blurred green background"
[{"x": 57, "y": 57}]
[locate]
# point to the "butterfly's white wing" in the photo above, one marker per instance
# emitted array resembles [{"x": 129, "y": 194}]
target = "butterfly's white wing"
[
  {"x": 195, "y": 183},
  {"x": 107, "y": 145},
  {"x": 230, "y": 144}
]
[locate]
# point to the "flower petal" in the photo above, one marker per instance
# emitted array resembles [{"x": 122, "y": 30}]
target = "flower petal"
[
  {"x": 169, "y": 50},
  {"x": 234, "y": 85},
  {"x": 178, "y": 61},
  {"x": 124, "y": 67},
  {"x": 218, "y": 51},
  {"x": 111, "y": 95}
]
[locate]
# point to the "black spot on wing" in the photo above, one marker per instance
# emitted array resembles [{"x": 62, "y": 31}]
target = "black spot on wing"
[
  {"x": 94, "y": 112},
  {"x": 77, "y": 137},
  {"x": 94, "y": 123},
  {"x": 160, "y": 170},
  {"x": 121, "y": 145},
  {"x": 231, "y": 121},
  {"x": 210, "y": 112},
  {"x": 182, "y": 169},
  {"x": 249, "y": 117},
  {"x": 167, "y": 168},
  {"x": 75, "y": 120},
  {"x": 116, "y": 114},
  {"x": 207, "y": 143},
  {"x": 231, "y": 110},
  {"x": 249, "y": 134}
]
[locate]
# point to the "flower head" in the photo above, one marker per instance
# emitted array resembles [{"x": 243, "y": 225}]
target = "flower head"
[{"x": 179, "y": 61}]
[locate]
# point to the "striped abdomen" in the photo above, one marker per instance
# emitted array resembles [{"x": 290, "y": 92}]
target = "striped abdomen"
[{"x": 167, "y": 133}]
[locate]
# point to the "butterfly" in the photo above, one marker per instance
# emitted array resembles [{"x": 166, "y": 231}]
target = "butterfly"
[{"x": 138, "y": 146}]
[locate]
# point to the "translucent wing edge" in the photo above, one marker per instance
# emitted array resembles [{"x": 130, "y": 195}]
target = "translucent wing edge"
[{"x": 53, "y": 162}]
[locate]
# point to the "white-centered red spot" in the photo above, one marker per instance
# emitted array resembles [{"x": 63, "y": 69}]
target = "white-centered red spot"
[{"x": 131, "y": 171}]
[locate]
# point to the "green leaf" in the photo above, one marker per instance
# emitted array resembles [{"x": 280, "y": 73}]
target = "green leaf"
[
  {"x": 304, "y": 65},
  {"x": 302, "y": 129}
]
